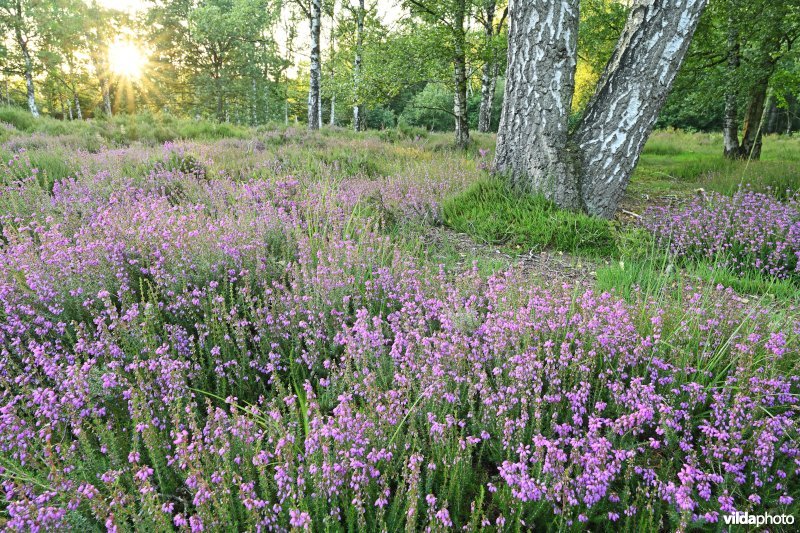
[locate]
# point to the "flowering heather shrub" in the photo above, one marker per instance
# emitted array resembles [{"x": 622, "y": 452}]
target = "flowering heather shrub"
[
  {"x": 748, "y": 231},
  {"x": 248, "y": 355}
]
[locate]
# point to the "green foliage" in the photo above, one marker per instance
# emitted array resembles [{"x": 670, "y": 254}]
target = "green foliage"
[{"x": 491, "y": 212}]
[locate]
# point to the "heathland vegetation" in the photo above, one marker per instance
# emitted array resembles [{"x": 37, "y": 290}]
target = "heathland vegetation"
[{"x": 242, "y": 291}]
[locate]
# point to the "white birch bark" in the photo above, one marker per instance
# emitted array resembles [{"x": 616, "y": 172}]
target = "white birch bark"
[
  {"x": 540, "y": 81},
  {"x": 314, "y": 107},
  {"x": 78, "y": 109},
  {"x": 358, "y": 108},
  {"x": 488, "y": 71},
  {"x": 460, "y": 76},
  {"x": 591, "y": 168},
  {"x": 629, "y": 96},
  {"x": 26, "y": 57}
]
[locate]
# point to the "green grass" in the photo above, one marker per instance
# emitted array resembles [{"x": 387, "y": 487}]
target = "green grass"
[
  {"x": 492, "y": 213},
  {"x": 660, "y": 277},
  {"x": 676, "y": 162}
]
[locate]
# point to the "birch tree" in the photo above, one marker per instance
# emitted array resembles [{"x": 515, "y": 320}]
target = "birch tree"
[
  {"x": 589, "y": 167},
  {"x": 21, "y": 20},
  {"x": 358, "y": 109},
  {"x": 452, "y": 16},
  {"x": 491, "y": 66},
  {"x": 312, "y": 9}
]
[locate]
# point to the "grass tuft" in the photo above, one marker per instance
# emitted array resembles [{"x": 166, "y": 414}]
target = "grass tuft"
[{"x": 491, "y": 212}]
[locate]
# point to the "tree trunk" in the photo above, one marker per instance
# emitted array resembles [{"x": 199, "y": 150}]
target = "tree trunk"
[
  {"x": 540, "y": 81},
  {"x": 592, "y": 167},
  {"x": 488, "y": 71},
  {"x": 358, "y": 108},
  {"x": 460, "y": 77},
  {"x": 314, "y": 107},
  {"x": 730, "y": 125},
  {"x": 78, "y": 109},
  {"x": 254, "y": 107},
  {"x": 752, "y": 127},
  {"x": 106, "y": 96},
  {"x": 332, "y": 56},
  {"x": 488, "y": 85},
  {"x": 28, "y": 75}
]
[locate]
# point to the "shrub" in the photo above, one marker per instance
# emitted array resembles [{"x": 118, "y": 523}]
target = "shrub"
[{"x": 748, "y": 232}]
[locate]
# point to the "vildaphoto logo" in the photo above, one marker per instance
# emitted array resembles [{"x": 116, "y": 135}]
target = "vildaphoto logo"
[{"x": 766, "y": 519}]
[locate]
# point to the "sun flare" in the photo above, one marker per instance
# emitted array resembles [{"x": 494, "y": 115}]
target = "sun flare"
[{"x": 126, "y": 59}]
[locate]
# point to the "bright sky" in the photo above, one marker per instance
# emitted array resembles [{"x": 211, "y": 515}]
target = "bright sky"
[{"x": 389, "y": 11}]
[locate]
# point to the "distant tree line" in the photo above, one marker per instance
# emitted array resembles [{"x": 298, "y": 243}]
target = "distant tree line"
[{"x": 441, "y": 65}]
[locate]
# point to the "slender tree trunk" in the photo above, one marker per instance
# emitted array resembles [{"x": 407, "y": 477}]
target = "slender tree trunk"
[
  {"x": 488, "y": 85},
  {"x": 106, "y": 96},
  {"x": 730, "y": 125},
  {"x": 488, "y": 71},
  {"x": 314, "y": 107},
  {"x": 752, "y": 130},
  {"x": 254, "y": 107},
  {"x": 358, "y": 108},
  {"x": 69, "y": 107},
  {"x": 332, "y": 56},
  {"x": 78, "y": 109},
  {"x": 592, "y": 167},
  {"x": 30, "y": 90},
  {"x": 460, "y": 77},
  {"x": 26, "y": 56}
]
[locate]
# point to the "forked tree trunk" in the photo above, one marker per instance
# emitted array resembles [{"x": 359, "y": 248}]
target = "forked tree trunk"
[
  {"x": 314, "y": 107},
  {"x": 589, "y": 169}
]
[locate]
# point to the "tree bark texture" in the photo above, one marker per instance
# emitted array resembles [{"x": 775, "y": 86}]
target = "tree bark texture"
[
  {"x": 590, "y": 168},
  {"x": 358, "y": 108},
  {"x": 730, "y": 125},
  {"x": 540, "y": 81},
  {"x": 460, "y": 76},
  {"x": 26, "y": 56},
  {"x": 488, "y": 71},
  {"x": 314, "y": 108}
]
